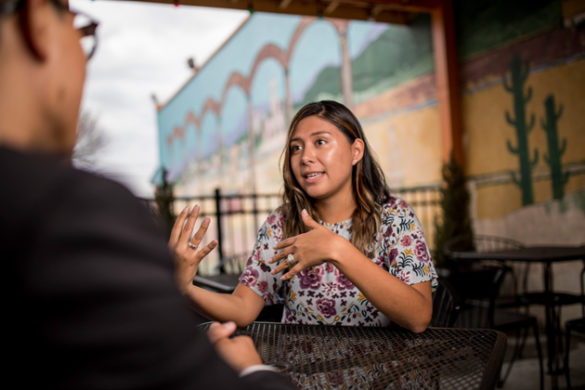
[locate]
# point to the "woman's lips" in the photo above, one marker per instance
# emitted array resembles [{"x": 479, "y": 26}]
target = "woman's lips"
[{"x": 313, "y": 177}]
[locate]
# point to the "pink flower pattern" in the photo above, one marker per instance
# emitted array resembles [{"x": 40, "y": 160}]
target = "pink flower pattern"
[
  {"x": 324, "y": 295},
  {"x": 406, "y": 241},
  {"x": 326, "y": 307},
  {"x": 311, "y": 277},
  {"x": 343, "y": 282},
  {"x": 249, "y": 276},
  {"x": 263, "y": 286},
  {"x": 421, "y": 251}
]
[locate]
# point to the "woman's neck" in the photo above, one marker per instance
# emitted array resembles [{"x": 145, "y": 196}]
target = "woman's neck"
[{"x": 337, "y": 209}]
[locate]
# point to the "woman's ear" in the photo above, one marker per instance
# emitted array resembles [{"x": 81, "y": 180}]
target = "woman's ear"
[
  {"x": 357, "y": 150},
  {"x": 35, "y": 21}
]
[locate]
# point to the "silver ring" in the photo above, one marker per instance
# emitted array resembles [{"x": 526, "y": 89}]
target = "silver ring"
[
  {"x": 194, "y": 247},
  {"x": 291, "y": 260}
]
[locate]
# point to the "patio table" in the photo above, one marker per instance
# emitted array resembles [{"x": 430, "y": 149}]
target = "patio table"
[
  {"x": 547, "y": 255},
  {"x": 344, "y": 357}
]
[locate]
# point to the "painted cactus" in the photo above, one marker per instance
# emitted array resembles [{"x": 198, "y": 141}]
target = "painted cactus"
[
  {"x": 519, "y": 72},
  {"x": 555, "y": 151}
]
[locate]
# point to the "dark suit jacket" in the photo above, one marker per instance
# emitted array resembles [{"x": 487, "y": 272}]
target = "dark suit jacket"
[{"x": 89, "y": 289}]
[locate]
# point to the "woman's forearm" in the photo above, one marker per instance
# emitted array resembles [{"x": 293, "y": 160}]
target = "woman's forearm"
[
  {"x": 242, "y": 306},
  {"x": 410, "y": 306}
]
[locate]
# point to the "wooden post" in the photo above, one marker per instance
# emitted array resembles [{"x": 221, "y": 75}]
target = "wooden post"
[{"x": 447, "y": 78}]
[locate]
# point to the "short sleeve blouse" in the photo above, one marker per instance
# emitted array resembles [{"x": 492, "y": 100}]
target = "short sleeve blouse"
[{"x": 322, "y": 294}]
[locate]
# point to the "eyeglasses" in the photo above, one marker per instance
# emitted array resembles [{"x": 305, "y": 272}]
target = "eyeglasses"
[{"x": 83, "y": 23}]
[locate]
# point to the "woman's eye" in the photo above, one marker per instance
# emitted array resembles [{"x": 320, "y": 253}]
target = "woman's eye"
[
  {"x": 295, "y": 148},
  {"x": 320, "y": 142}
]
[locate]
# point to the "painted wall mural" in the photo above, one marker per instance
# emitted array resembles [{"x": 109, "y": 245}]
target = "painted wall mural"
[
  {"x": 231, "y": 118},
  {"x": 522, "y": 73},
  {"x": 555, "y": 151},
  {"x": 522, "y": 67},
  {"x": 515, "y": 84}
]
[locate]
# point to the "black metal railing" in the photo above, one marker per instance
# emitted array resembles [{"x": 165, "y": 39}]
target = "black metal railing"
[{"x": 235, "y": 219}]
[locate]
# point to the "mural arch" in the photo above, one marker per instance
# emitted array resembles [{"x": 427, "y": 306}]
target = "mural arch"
[
  {"x": 234, "y": 116},
  {"x": 234, "y": 129},
  {"x": 306, "y": 60},
  {"x": 209, "y": 135}
]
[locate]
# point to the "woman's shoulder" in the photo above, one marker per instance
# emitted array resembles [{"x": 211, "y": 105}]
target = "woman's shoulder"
[
  {"x": 275, "y": 217},
  {"x": 396, "y": 206}
]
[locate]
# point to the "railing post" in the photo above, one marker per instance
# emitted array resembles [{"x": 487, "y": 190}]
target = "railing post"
[
  {"x": 255, "y": 211},
  {"x": 218, "y": 215}
]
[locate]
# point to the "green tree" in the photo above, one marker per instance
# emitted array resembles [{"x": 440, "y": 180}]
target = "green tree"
[
  {"x": 164, "y": 199},
  {"x": 91, "y": 141}
]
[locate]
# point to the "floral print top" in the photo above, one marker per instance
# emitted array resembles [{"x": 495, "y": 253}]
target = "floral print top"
[{"x": 322, "y": 294}]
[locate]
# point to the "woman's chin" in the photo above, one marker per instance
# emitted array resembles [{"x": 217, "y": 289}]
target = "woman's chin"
[{"x": 316, "y": 195}]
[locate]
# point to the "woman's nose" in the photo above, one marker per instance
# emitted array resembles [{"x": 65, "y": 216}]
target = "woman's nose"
[{"x": 308, "y": 155}]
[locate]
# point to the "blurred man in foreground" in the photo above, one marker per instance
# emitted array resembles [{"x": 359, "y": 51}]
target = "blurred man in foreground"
[{"x": 89, "y": 285}]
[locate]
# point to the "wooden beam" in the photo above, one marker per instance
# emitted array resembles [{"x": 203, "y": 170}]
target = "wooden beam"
[
  {"x": 387, "y": 11},
  {"x": 416, "y": 6},
  {"x": 399, "y": 5},
  {"x": 284, "y": 4},
  {"x": 331, "y": 7},
  {"x": 390, "y": 12},
  {"x": 448, "y": 83}
]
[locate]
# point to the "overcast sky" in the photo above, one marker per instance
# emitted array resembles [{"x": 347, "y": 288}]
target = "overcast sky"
[{"x": 143, "y": 49}]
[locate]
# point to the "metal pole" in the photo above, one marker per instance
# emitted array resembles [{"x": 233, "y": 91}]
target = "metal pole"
[{"x": 218, "y": 215}]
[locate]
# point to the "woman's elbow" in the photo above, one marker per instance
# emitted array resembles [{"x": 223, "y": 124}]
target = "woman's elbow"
[
  {"x": 246, "y": 317},
  {"x": 419, "y": 328},
  {"x": 420, "y": 323},
  {"x": 244, "y": 321}
]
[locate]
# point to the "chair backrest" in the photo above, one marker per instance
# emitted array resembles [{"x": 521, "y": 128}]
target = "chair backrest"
[
  {"x": 445, "y": 305},
  {"x": 479, "y": 243},
  {"x": 518, "y": 272},
  {"x": 583, "y": 289},
  {"x": 478, "y": 289},
  {"x": 486, "y": 243}
]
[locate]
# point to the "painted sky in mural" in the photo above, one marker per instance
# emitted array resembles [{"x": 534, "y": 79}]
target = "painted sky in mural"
[{"x": 247, "y": 83}]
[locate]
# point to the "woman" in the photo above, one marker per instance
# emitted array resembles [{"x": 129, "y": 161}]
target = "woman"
[{"x": 340, "y": 250}]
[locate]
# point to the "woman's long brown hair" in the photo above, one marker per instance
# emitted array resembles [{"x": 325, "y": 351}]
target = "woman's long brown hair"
[{"x": 370, "y": 190}]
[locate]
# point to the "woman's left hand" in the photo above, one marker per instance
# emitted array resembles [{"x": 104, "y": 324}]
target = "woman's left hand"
[{"x": 308, "y": 249}]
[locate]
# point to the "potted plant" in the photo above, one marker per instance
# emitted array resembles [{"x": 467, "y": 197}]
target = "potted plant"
[{"x": 454, "y": 219}]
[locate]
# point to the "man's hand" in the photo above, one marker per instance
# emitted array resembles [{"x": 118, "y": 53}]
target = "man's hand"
[
  {"x": 239, "y": 352},
  {"x": 186, "y": 251}
]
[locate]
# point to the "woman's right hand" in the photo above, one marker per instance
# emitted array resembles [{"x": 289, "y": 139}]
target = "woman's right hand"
[{"x": 186, "y": 250}]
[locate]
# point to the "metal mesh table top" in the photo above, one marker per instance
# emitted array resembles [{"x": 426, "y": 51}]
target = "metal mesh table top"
[{"x": 330, "y": 357}]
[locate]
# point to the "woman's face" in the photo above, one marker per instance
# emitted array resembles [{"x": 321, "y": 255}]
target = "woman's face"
[{"x": 321, "y": 158}]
